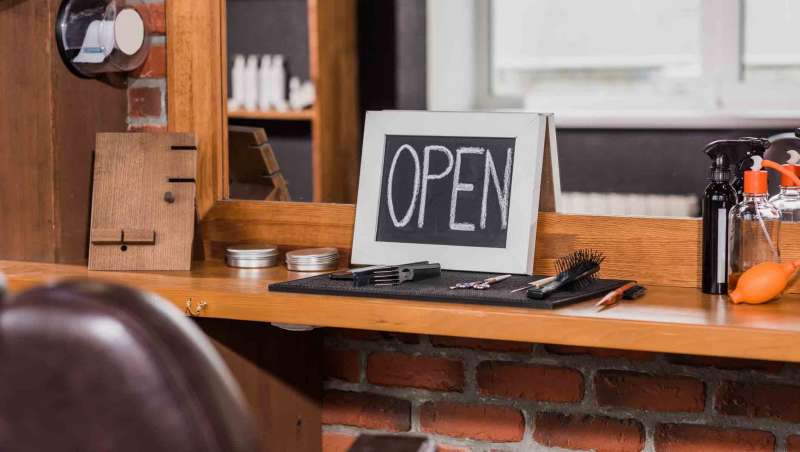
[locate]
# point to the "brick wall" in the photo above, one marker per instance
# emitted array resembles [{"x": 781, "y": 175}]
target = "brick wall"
[
  {"x": 473, "y": 395},
  {"x": 147, "y": 86}
]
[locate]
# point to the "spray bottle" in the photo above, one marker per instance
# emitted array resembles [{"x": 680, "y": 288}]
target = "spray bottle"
[
  {"x": 754, "y": 223},
  {"x": 718, "y": 199},
  {"x": 749, "y": 147},
  {"x": 788, "y": 200}
]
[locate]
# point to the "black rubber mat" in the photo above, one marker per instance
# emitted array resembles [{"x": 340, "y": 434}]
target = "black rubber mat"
[{"x": 438, "y": 289}]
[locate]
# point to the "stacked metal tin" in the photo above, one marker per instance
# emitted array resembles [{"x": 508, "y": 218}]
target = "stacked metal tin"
[
  {"x": 312, "y": 260},
  {"x": 251, "y": 256}
]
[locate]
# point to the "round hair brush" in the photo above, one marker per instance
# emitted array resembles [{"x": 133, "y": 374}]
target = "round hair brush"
[{"x": 574, "y": 271}]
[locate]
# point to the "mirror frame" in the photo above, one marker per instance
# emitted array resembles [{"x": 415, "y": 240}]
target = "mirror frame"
[{"x": 196, "y": 102}]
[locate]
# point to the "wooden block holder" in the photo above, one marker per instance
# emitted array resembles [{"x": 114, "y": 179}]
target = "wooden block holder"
[{"x": 143, "y": 202}]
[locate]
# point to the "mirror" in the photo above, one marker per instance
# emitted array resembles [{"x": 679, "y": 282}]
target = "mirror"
[{"x": 637, "y": 88}]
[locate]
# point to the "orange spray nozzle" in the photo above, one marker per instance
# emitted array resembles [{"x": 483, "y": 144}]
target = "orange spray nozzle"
[
  {"x": 755, "y": 180},
  {"x": 786, "y": 172}
]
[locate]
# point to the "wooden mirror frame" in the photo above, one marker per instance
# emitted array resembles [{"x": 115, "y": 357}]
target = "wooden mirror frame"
[
  {"x": 196, "y": 102},
  {"x": 651, "y": 250}
]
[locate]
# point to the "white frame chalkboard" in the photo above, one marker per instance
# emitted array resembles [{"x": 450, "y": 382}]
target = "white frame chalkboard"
[{"x": 533, "y": 133}]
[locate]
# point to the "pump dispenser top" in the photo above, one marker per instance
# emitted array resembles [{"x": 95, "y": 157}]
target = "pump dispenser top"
[{"x": 748, "y": 148}]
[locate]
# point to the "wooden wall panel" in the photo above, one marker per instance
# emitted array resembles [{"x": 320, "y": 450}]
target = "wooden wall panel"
[
  {"x": 27, "y": 216},
  {"x": 81, "y": 109},
  {"x": 48, "y": 119},
  {"x": 663, "y": 251}
]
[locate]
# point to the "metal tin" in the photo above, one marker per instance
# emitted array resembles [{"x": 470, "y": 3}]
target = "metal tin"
[
  {"x": 312, "y": 260},
  {"x": 252, "y": 256}
]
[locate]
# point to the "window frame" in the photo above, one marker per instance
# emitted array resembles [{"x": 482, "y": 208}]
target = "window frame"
[{"x": 730, "y": 100}]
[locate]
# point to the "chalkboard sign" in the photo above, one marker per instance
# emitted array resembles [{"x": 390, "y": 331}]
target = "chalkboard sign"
[
  {"x": 446, "y": 190},
  {"x": 461, "y": 189}
]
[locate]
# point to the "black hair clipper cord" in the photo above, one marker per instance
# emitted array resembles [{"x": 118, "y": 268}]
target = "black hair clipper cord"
[{"x": 575, "y": 270}]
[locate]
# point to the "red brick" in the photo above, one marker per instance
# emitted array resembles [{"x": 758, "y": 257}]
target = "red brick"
[
  {"x": 793, "y": 443},
  {"x": 602, "y": 434},
  {"x": 424, "y": 372},
  {"x": 337, "y": 442},
  {"x": 366, "y": 410},
  {"x": 649, "y": 392},
  {"x": 144, "y": 102},
  {"x": 481, "y": 344},
  {"x": 531, "y": 382},
  {"x": 150, "y": 128},
  {"x": 154, "y": 17},
  {"x": 693, "y": 438},
  {"x": 775, "y": 401},
  {"x": 726, "y": 363},
  {"x": 605, "y": 353},
  {"x": 341, "y": 364},
  {"x": 481, "y": 422},
  {"x": 155, "y": 65}
]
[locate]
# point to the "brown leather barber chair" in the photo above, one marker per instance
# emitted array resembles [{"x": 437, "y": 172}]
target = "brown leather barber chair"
[{"x": 92, "y": 367}]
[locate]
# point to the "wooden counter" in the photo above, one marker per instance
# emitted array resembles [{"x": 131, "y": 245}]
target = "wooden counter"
[{"x": 667, "y": 319}]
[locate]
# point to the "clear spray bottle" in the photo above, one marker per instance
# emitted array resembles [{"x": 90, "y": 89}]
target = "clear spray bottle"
[{"x": 754, "y": 225}]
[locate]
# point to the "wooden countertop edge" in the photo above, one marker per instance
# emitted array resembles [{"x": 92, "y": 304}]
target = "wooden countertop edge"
[{"x": 513, "y": 324}]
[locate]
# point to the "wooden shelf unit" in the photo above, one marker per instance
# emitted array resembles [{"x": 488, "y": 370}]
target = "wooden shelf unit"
[
  {"x": 334, "y": 118},
  {"x": 668, "y": 319}
]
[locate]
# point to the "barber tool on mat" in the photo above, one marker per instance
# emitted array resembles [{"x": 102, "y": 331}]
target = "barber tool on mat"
[
  {"x": 483, "y": 284},
  {"x": 574, "y": 271},
  {"x": 537, "y": 283},
  {"x": 394, "y": 276}
]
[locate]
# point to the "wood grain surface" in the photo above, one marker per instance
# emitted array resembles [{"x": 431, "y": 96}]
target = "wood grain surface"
[
  {"x": 48, "y": 118},
  {"x": 334, "y": 71},
  {"x": 662, "y": 251},
  {"x": 195, "y": 73},
  {"x": 667, "y": 319},
  {"x": 143, "y": 187}
]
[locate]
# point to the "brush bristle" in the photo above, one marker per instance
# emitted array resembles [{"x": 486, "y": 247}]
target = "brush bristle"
[{"x": 582, "y": 256}]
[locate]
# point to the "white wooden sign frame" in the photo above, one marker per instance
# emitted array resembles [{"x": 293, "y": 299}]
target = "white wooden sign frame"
[{"x": 535, "y": 136}]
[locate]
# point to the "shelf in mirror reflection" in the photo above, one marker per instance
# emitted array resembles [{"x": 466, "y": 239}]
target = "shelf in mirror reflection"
[{"x": 301, "y": 115}]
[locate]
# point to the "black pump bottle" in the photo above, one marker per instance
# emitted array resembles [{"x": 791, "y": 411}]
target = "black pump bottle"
[{"x": 718, "y": 199}]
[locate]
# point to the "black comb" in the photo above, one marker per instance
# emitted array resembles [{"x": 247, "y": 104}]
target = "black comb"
[{"x": 575, "y": 271}]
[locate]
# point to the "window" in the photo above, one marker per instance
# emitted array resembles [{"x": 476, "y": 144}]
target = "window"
[{"x": 695, "y": 63}]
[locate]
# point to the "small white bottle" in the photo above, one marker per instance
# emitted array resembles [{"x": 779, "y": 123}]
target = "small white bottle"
[
  {"x": 294, "y": 94},
  {"x": 309, "y": 94},
  {"x": 279, "y": 80},
  {"x": 251, "y": 83},
  {"x": 237, "y": 83},
  {"x": 264, "y": 85}
]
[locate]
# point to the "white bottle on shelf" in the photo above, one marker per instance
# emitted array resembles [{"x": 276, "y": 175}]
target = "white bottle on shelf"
[
  {"x": 251, "y": 83},
  {"x": 279, "y": 80},
  {"x": 309, "y": 94},
  {"x": 264, "y": 84},
  {"x": 294, "y": 94},
  {"x": 237, "y": 83}
]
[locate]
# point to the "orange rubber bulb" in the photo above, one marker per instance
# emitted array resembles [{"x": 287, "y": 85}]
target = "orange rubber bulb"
[{"x": 763, "y": 282}]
